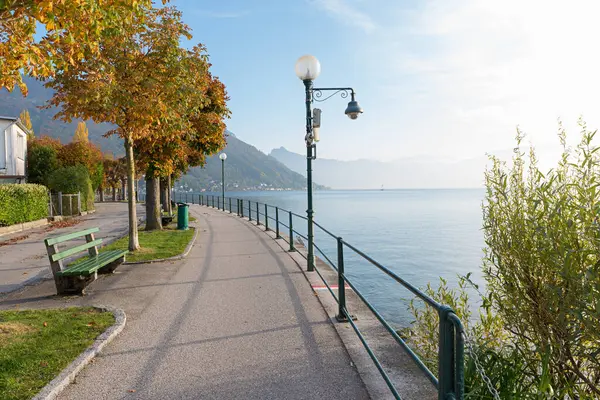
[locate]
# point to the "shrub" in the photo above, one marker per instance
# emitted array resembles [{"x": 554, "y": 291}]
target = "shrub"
[
  {"x": 41, "y": 162},
  {"x": 22, "y": 203},
  {"x": 72, "y": 180},
  {"x": 538, "y": 331},
  {"x": 542, "y": 262}
]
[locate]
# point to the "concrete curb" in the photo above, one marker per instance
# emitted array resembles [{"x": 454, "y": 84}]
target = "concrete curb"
[
  {"x": 174, "y": 258},
  {"x": 6, "y": 230},
  {"x": 58, "y": 384}
]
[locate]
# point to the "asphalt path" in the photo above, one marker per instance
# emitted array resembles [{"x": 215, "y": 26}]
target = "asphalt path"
[{"x": 236, "y": 319}]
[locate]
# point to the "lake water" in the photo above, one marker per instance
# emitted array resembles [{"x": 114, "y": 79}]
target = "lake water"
[{"x": 419, "y": 234}]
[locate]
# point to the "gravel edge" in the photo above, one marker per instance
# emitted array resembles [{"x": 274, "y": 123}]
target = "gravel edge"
[{"x": 58, "y": 384}]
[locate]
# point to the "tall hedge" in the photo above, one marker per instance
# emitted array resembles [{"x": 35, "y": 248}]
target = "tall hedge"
[
  {"x": 22, "y": 203},
  {"x": 71, "y": 180}
]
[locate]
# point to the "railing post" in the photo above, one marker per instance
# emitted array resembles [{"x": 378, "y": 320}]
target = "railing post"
[
  {"x": 240, "y": 208},
  {"x": 445, "y": 355},
  {"x": 212, "y": 201},
  {"x": 277, "y": 236},
  {"x": 341, "y": 317},
  {"x": 230, "y": 211},
  {"x": 257, "y": 215},
  {"x": 266, "y": 218},
  {"x": 186, "y": 197},
  {"x": 291, "y": 233},
  {"x": 250, "y": 210}
]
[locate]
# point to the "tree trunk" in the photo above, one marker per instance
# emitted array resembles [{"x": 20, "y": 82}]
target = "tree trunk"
[
  {"x": 153, "y": 220},
  {"x": 134, "y": 243},
  {"x": 169, "y": 191},
  {"x": 123, "y": 184},
  {"x": 101, "y": 194},
  {"x": 137, "y": 189},
  {"x": 164, "y": 196},
  {"x": 114, "y": 193}
]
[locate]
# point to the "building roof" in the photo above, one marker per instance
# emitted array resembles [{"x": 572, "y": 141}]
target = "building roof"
[{"x": 16, "y": 120}]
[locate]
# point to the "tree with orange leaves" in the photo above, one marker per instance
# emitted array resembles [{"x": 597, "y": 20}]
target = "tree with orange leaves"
[
  {"x": 77, "y": 27},
  {"x": 131, "y": 84},
  {"x": 201, "y": 103}
]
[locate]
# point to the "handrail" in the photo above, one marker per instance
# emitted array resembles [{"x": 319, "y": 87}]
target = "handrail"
[{"x": 450, "y": 379}]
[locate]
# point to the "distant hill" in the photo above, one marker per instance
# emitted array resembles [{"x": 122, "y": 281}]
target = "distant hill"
[
  {"x": 246, "y": 167},
  {"x": 11, "y": 105},
  {"x": 404, "y": 173}
]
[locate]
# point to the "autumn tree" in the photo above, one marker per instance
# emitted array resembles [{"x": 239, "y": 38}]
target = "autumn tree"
[
  {"x": 199, "y": 96},
  {"x": 81, "y": 133},
  {"x": 115, "y": 172},
  {"x": 26, "y": 120},
  {"x": 86, "y": 154},
  {"x": 76, "y": 27},
  {"x": 129, "y": 85}
]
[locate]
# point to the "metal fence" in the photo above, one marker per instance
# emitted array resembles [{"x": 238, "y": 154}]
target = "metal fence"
[
  {"x": 65, "y": 204},
  {"x": 450, "y": 375}
]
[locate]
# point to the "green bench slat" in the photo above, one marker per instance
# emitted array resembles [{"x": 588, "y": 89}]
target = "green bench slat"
[
  {"x": 93, "y": 264},
  {"x": 64, "y": 238},
  {"x": 76, "y": 249}
]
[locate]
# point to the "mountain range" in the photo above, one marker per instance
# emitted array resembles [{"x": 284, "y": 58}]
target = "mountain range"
[{"x": 417, "y": 172}]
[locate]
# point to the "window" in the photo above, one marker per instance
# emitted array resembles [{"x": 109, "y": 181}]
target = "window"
[{"x": 20, "y": 146}]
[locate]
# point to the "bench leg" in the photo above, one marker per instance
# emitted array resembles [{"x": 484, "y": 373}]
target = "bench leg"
[
  {"x": 69, "y": 285},
  {"x": 110, "y": 268}
]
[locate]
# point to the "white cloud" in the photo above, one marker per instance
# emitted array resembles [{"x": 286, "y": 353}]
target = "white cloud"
[
  {"x": 347, "y": 13},
  {"x": 489, "y": 66}
]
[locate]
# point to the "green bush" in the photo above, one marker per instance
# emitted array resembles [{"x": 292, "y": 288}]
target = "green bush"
[
  {"x": 538, "y": 332},
  {"x": 41, "y": 162},
  {"x": 73, "y": 180},
  {"x": 22, "y": 203}
]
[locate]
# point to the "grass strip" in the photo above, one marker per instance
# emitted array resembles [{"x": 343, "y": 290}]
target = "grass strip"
[
  {"x": 36, "y": 345},
  {"x": 154, "y": 245}
]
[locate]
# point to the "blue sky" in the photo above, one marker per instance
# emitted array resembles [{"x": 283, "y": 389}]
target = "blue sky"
[{"x": 440, "y": 78}]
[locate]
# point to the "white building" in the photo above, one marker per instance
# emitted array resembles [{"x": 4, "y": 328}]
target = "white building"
[{"x": 13, "y": 150}]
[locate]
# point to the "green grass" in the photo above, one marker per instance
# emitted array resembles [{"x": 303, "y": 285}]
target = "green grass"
[
  {"x": 193, "y": 219},
  {"x": 154, "y": 245},
  {"x": 36, "y": 345}
]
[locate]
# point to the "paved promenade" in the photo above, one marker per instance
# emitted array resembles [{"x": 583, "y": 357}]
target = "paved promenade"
[
  {"x": 27, "y": 260},
  {"x": 236, "y": 319}
]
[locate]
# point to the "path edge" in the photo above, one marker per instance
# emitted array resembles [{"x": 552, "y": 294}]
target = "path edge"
[{"x": 68, "y": 375}]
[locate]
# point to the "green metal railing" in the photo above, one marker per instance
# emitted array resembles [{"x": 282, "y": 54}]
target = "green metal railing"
[{"x": 450, "y": 375}]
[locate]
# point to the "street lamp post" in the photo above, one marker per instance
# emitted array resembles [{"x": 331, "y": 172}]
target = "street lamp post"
[
  {"x": 223, "y": 157},
  {"x": 308, "y": 69}
]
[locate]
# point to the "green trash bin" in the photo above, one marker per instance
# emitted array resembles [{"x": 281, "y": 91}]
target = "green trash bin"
[{"x": 182, "y": 216}]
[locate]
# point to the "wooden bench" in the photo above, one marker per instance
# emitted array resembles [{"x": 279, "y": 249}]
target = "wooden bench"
[{"x": 74, "y": 279}]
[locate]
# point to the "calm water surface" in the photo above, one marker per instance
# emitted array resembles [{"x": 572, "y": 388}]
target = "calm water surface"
[{"x": 419, "y": 234}]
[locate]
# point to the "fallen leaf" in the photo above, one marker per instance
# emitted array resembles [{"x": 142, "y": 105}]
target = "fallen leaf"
[
  {"x": 24, "y": 273},
  {"x": 91, "y": 323},
  {"x": 43, "y": 364},
  {"x": 131, "y": 390},
  {"x": 45, "y": 324}
]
